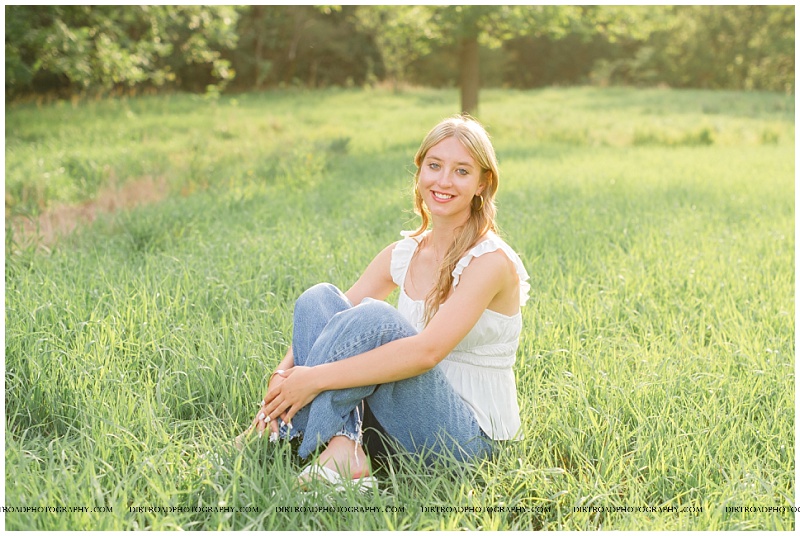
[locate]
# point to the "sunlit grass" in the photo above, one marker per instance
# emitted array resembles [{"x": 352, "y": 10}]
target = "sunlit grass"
[{"x": 655, "y": 367}]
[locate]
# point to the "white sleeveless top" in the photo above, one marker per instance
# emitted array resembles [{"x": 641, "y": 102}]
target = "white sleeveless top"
[{"x": 480, "y": 367}]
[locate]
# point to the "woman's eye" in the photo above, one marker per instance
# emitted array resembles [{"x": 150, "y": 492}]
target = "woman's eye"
[
  {"x": 433, "y": 165},
  {"x": 462, "y": 171}
]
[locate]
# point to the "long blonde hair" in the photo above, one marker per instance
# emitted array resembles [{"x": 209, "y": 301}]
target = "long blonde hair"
[{"x": 474, "y": 138}]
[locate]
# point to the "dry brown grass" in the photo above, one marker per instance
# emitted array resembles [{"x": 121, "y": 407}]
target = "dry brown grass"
[{"x": 60, "y": 220}]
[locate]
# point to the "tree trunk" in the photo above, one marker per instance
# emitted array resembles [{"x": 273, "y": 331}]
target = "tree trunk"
[
  {"x": 300, "y": 23},
  {"x": 258, "y": 52},
  {"x": 470, "y": 74}
]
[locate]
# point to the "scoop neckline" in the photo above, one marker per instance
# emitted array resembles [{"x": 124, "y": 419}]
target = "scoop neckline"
[
  {"x": 489, "y": 235},
  {"x": 417, "y": 243}
]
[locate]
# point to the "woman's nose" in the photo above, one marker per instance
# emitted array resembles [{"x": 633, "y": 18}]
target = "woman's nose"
[{"x": 446, "y": 177}]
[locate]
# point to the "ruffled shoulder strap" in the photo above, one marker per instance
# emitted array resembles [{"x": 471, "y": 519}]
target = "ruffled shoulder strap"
[
  {"x": 490, "y": 244},
  {"x": 401, "y": 257}
]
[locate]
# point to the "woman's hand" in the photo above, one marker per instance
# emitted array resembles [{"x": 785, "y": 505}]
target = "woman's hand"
[
  {"x": 298, "y": 389},
  {"x": 260, "y": 424}
]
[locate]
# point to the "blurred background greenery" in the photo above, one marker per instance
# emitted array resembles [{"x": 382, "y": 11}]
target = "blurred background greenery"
[{"x": 87, "y": 51}]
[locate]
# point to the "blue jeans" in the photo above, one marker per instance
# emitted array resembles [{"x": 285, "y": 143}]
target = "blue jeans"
[{"x": 422, "y": 414}]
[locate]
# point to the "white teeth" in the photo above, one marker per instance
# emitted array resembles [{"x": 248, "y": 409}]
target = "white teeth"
[{"x": 441, "y": 196}]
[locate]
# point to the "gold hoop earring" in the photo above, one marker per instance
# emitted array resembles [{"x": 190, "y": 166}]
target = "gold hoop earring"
[{"x": 481, "y": 205}]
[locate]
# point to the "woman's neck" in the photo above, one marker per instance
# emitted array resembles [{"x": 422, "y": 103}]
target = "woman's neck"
[{"x": 440, "y": 238}]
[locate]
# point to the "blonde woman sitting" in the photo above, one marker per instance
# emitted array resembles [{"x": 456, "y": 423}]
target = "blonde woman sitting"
[{"x": 435, "y": 373}]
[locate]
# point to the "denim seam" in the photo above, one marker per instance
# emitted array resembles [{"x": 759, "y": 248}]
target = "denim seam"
[
  {"x": 356, "y": 437},
  {"x": 389, "y": 327}
]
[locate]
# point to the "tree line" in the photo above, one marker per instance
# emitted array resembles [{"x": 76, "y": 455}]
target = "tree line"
[{"x": 98, "y": 50}]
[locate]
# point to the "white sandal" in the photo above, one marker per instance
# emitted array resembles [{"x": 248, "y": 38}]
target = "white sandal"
[{"x": 320, "y": 472}]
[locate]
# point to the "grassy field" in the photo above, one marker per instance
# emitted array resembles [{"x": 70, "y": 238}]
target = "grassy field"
[{"x": 656, "y": 366}]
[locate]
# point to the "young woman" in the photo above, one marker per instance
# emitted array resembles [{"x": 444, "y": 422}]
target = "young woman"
[{"x": 435, "y": 373}]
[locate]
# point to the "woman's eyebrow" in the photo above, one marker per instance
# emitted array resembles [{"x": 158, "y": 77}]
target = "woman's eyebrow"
[{"x": 434, "y": 157}]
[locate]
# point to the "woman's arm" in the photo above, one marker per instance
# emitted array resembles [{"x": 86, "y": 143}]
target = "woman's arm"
[
  {"x": 376, "y": 281},
  {"x": 487, "y": 276},
  {"x": 412, "y": 356}
]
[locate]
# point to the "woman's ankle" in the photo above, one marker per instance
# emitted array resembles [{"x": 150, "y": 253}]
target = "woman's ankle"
[{"x": 346, "y": 457}]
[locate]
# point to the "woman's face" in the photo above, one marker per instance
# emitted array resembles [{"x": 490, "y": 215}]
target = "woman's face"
[{"x": 449, "y": 178}]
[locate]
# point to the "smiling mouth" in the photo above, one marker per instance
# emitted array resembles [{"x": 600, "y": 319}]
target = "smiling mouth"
[{"x": 443, "y": 197}]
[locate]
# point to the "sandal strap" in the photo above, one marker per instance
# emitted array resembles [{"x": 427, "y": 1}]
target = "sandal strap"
[{"x": 364, "y": 483}]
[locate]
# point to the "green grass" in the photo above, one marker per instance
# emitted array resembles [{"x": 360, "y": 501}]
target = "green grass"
[{"x": 655, "y": 366}]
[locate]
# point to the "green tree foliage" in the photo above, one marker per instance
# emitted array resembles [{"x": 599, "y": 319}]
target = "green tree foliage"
[
  {"x": 402, "y": 34},
  {"x": 737, "y": 47},
  {"x": 303, "y": 45},
  {"x": 566, "y": 49},
  {"x": 491, "y": 26},
  {"x": 101, "y": 48}
]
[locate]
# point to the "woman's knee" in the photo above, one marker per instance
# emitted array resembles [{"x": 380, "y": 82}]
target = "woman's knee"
[
  {"x": 371, "y": 314},
  {"x": 378, "y": 310},
  {"x": 317, "y": 293},
  {"x": 359, "y": 329},
  {"x": 320, "y": 296}
]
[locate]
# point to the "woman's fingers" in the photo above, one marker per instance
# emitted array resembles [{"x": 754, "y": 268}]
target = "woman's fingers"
[
  {"x": 273, "y": 407},
  {"x": 277, "y": 409},
  {"x": 261, "y": 422},
  {"x": 273, "y": 427},
  {"x": 262, "y": 425},
  {"x": 270, "y": 396},
  {"x": 253, "y": 428},
  {"x": 286, "y": 418}
]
